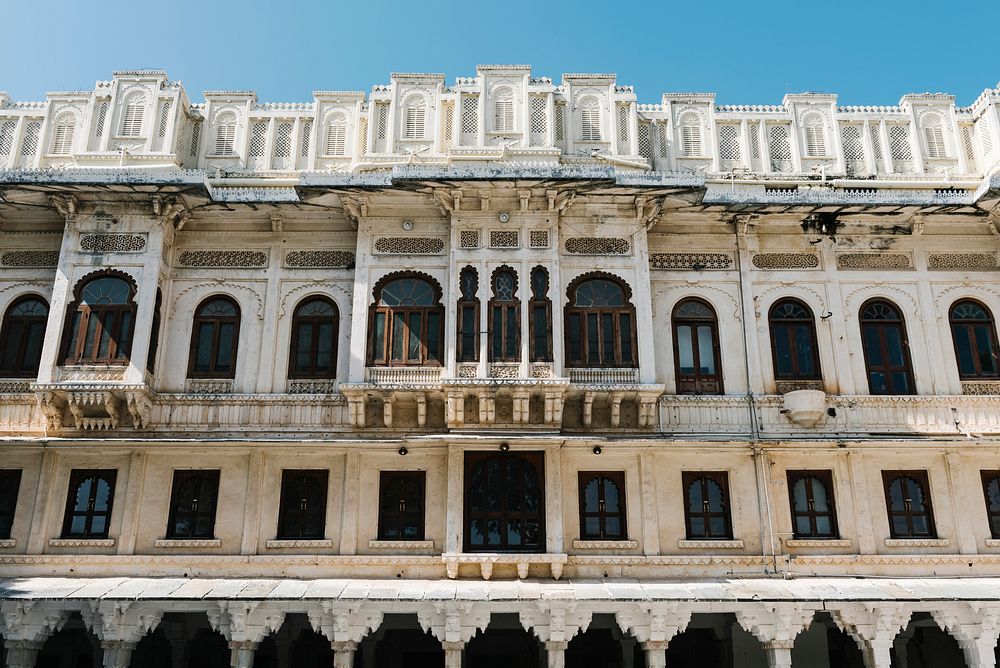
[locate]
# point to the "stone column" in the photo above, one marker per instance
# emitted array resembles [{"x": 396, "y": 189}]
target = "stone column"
[
  {"x": 343, "y": 653},
  {"x": 779, "y": 654},
  {"x": 117, "y": 653},
  {"x": 656, "y": 653},
  {"x": 875, "y": 652},
  {"x": 979, "y": 653},
  {"x": 453, "y": 654},
  {"x": 241, "y": 653},
  {"x": 22, "y": 653},
  {"x": 556, "y": 650}
]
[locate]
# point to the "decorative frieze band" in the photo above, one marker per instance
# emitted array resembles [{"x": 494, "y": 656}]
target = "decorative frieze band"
[
  {"x": 695, "y": 261},
  {"x": 980, "y": 261},
  {"x": 319, "y": 259},
  {"x": 785, "y": 261},
  {"x": 409, "y": 246},
  {"x": 29, "y": 258},
  {"x": 312, "y": 386},
  {"x": 223, "y": 258},
  {"x": 786, "y": 386},
  {"x": 597, "y": 246},
  {"x": 874, "y": 261},
  {"x": 15, "y": 386},
  {"x": 113, "y": 243},
  {"x": 980, "y": 387}
]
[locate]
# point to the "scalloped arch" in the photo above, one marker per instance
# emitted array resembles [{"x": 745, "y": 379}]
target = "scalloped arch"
[
  {"x": 313, "y": 290},
  {"x": 392, "y": 276},
  {"x": 575, "y": 283},
  {"x": 219, "y": 285}
]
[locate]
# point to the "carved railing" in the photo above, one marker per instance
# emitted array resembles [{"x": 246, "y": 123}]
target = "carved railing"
[
  {"x": 394, "y": 375},
  {"x": 624, "y": 376}
]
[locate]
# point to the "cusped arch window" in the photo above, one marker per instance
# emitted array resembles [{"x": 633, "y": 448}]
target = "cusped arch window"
[
  {"x": 225, "y": 134},
  {"x": 934, "y": 136},
  {"x": 503, "y": 110},
  {"x": 590, "y": 120},
  {"x": 690, "y": 130},
  {"x": 505, "y": 317},
  {"x": 697, "y": 355},
  {"x": 62, "y": 134},
  {"x": 887, "y": 352},
  {"x": 100, "y": 321},
  {"x": 407, "y": 322},
  {"x": 415, "y": 118},
  {"x": 793, "y": 341},
  {"x": 21, "y": 337},
  {"x": 814, "y": 131},
  {"x": 974, "y": 335},
  {"x": 908, "y": 504},
  {"x": 467, "y": 348},
  {"x": 315, "y": 325},
  {"x": 214, "y": 338},
  {"x": 132, "y": 112},
  {"x": 600, "y": 323},
  {"x": 336, "y": 135}
]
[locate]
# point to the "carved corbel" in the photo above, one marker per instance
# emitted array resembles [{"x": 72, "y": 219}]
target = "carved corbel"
[
  {"x": 522, "y": 405},
  {"x": 616, "y": 408},
  {"x": 356, "y": 406},
  {"x": 456, "y": 408},
  {"x": 559, "y": 201},
  {"x": 140, "y": 409},
  {"x": 66, "y": 205},
  {"x": 355, "y": 208},
  {"x": 554, "y": 407},
  {"x": 444, "y": 201},
  {"x": 648, "y": 210},
  {"x": 873, "y": 628},
  {"x": 525, "y": 197},
  {"x": 487, "y": 406},
  {"x": 743, "y": 221},
  {"x": 52, "y": 407},
  {"x": 421, "y": 398},
  {"x": 648, "y": 402},
  {"x": 277, "y": 222},
  {"x": 484, "y": 200},
  {"x": 588, "y": 407},
  {"x": 388, "y": 406}
]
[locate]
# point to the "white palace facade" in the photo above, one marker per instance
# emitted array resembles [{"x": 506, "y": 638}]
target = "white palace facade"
[{"x": 498, "y": 372}]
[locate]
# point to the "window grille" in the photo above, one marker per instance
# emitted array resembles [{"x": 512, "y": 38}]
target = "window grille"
[
  {"x": 503, "y": 113},
  {"x": 132, "y": 116},
  {"x": 336, "y": 137},
  {"x": 754, "y": 140},
  {"x": 307, "y": 127},
  {"x": 645, "y": 141},
  {"x": 382, "y": 120},
  {"x": 934, "y": 136},
  {"x": 258, "y": 144},
  {"x": 470, "y": 114},
  {"x": 29, "y": 142},
  {"x": 7, "y": 137},
  {"x": 362, "y": 134},
  {"x": 590, "y": 122},
  {"x": 449, "y": 122},
  {"x": 161, "y": 128},
  {"x": 970, "y": 153},
  {"x": 899, "y": 142},
  {"x": 102, "y": 116},
  {"x": 876, "y": 141},
  {"x": 691, "y": 141},
  {"x": 195, "y": 139},
  {"x": 62, "y": 136},
  {"x": 538, "y": 123},
  {"x": 560, "y": 121},
  {"x": 781, "y": 149},
  {"x": 416, "y": 115},
  {"x": 983, "y": 129},
  {"x": 225, "y": 136},
  {"x": 729, "y": 142},
  {"x": 661, "y": 138},
  {"x": 283, "y": 146},
  {"x": 815, "y": 140},
  {"x": 622, "y": 126},
  {"x": 853, "y": 147}
]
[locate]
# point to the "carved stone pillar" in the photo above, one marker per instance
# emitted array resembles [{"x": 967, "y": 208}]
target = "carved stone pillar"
[
  {"x": 453, "y": 654},
  {"x": 979, "y": 653},
  {"x": 343, "y": 653},
  {"x": 22, "y": 653},
  {"x": 779, "y": 654},
  {"x": 117, "y": 653},
  {"x": 556, "y": 650},
  {"x": 656, "y": 653},
  {"x": 241, "y": 653}
]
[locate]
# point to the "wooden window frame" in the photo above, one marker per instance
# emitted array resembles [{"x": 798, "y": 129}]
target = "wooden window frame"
[
  {"x": 794, "y": 344},
  {"x": 543, "y": 303},
  {"x": 721, "y": 478},
  {"x": 581, "y": 313},
  {"x": 390, "y": 313},
  {"x": 603, "y": 478},
  {"x": 286, "y": 513},
  {"x": 22, "y": 370},
  {"x": 697, "y": 380},
  {"x": 923, "y": 481},
  {"x": 969, "y": 327},
  {"x": 399, "y": 518},
  {"x": 10, "y": 485},
  {"x": 467, "y": 304},
  {"x": 884, "y": 348},
  {"x": 80, "y": 314},
  {"x": 992, "y": 516},
  {"x": 504, "y": 310},
  {"x": 825, "y": 477},
  {"x": 217, "y": 322},
  {"x": 181, "y": 476},
  {"x": 473, "y": 458},
  {"x": 76, "y": 478},
  {"x": 315, "y": 322},
  {"x": 154, "y": 333}
]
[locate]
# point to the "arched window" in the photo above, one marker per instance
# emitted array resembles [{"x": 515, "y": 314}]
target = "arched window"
[
  {"x": 975, "y": 339},
  {"x": 214, "y": 339},
  {"x": 407, "y": 322},
  {"x": 602, "y": 505},
  {"x": 934, "y": 137},
  {"x": 401, "y": 505},
  {"x": 225, "y": 134},
  {"x": 811, "y": 498},
  {"x": 793, "y": 341},
  {"x": 336, "y": 135},
  {"x": 468, "y": 316},
  {"x": 192, "y": 504},
  {"x": 100, "y": 321},
  {"x": 814, "y": 129},
  {"x": 540, "y": 314},
  {"x": 132, "y": 112},
  {"x": 62, "y": 134},
  {"x": 505, "y": 317},
  {"x": 590, "y": 120},
  {"x": 696, "y": 348},
  {"x": 887, "y": 354},
  {"x": 600, "y": 323},
  {"x": 691, "y": 136},
  {"x": 314, "y": 339},
  {"x": 88, "y": 504},
  {"x": 503, "y": 111},
  {"x": 908, "y": 504},
  {"x": 302, "y": 507},
  {"x": 991, "y": 489},
  {"x": 504, "y": 502},
  {"x": 706, "y": 506},
  {"x": 21, "y": 337},
  {"x": 415, "y": 119}
]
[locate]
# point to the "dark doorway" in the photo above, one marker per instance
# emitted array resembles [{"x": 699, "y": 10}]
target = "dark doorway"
[
  {"x": 504, "y": 502},
  {"x": 207, "y": 649},
  {"x": 71, "y": 647},
  {"x": 504, "y": 645},
  {"x": 152, "y": 651}
]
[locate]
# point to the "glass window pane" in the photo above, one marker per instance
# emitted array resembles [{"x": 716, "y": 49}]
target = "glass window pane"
[
  {"x": 697, "y": 527},
  {"x": 984, "y": 346},
  {"x": 413, "y": 349},
  {"x": 590, "y": 496},
  {"x": 98, "y": 525},
  {"x": 718, "y": 526},
  {"x": 782, "y": 351},
  {"x": 303, "y": 351},
  {"x": 876, "y": 381},
  {"x": 575, "y": 353},
  {"x": 823, "y": 525},
  {"x": 706, "y": 351},
  {"x": 608, "y": 339},
  {"x": 802, "y": 527},
  {"x": 398, "y": 329},
  {"x": 203, "y": 347},
  {"x": 433, "y": 336},
  {"x": 873, "y": 345},
  {"x": 612, "y": 527},
  {"x": 685, "y": 351},
  {"x": 378, "y": 338},
  {"x": 593, "y": 342},
  {"x": 83, "y": 495},
  {"x": 900, "y": 383},
  {"x": 920, "y": 525},
  {"x": 88, "y": 345},
  {"x": 804, "y": 350},
  {"x": 324, "y": 346},
  {"x": 610, "y": 497},
  {"x": 224, "y": 357},
  {"x": 107, "y": 327},
  {"x": 497, "y": 330},
  {"x": 625, "y": 334},
  {"x": 894, "y": 342},
  {"x": 592, "y": 526},
  {"x": 540, "y": 341},
  {"x": 510, "y": 335},
  {"x": 819, "y": 496},
  {"x": 800, "y": 495},
  {"x": 124, "y": 334}
]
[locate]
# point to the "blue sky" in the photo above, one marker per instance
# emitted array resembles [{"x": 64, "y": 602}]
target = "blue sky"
[{"x": 869, "y": 52}]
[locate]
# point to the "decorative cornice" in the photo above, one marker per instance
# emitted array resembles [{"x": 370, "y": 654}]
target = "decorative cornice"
[
  {"x": 605, "y": 544},
  {"x": 710, "y": 544},
  {"x": 191, "y": 543},
  {"x": 81, "y": 542}
]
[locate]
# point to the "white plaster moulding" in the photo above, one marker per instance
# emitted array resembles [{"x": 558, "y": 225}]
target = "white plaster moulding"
[
  {"x": 8, "y": 543},
  {"x": 401, "y": 544},
  {"x": 605, "y": 544},
  {"x": 917, "y": 542},
  {"x": 298, "y": 544},
  {"x": 81, "y": 542},
  {"x": 992, "y": 542},
  {"x": 191, "y": 543},
  {"x": 817, "y": 542},
  {"x": 710, "y": 544}
]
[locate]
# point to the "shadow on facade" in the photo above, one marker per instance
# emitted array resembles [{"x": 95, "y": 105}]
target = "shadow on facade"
[{"x": 73, "y": 646}]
